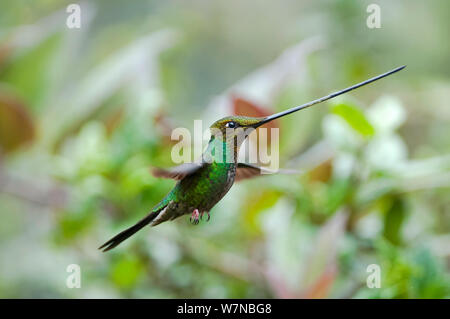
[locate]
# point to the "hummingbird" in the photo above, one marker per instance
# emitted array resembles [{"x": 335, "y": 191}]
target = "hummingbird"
[{"x": 203, "y": 183}]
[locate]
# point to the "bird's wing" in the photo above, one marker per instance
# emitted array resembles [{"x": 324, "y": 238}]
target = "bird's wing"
[
  {"x": 177, "y": 172},
  {"x": 245, "y": 171}
]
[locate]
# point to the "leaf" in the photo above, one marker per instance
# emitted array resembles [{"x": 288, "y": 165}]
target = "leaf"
[
  {"x": 126, "y": 272},
  {"x": 247, "y": 108},
  {"x": 393, "y": 221},
  {"x": 16, "y": 124},
  {"x": 340, "y": 135},
  {"x": 321, "y": 268},
  {"x": 321, "y": 287},
  {"x": 29, "y": 73},
  {"x": 355, "y": 118},
  {"x": 257, "y": 144},
  {"x": 5, "y": 53},
  {"x": 73, "y": 223},
  {"x": 322, "y": 172},
  {"x": 337, "y": 192},
  {"x": 113, "y": 120},
  {"x": 430, "y": 280},
  {"x": 165, "y": 125},
  {"x": 255, "y": 204}
]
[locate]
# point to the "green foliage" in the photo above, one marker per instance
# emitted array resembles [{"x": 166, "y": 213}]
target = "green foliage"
[
  {"x": 75, "y": 224},
  {"x": 393, "y": 220},
  {"x": 28, "y": 73},
  {"x": 414, "y": 274},
  {"x": 125, "y": 272},
  {"x": 355, "y": 118}
]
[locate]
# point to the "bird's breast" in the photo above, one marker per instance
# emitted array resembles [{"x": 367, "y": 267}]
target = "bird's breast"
[{"x": 206, "y": 187}]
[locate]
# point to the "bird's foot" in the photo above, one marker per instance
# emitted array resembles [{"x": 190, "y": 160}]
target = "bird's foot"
[
  {"x": 195, "y": 217},
  {"x": 207, "y": 213}
]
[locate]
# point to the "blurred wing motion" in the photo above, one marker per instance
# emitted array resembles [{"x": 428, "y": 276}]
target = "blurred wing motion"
[
  {"x": 246, "y": 171},
  {"x": 243, "y": 171},
  {"x": 177, "y": 172}
]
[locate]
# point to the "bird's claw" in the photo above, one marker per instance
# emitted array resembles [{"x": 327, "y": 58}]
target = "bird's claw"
[
  {"x": 201, "y": 216},
  {"x": 194, "y": 217}
]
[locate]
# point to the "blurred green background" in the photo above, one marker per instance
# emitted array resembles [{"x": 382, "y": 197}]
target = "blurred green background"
[{"x": 85, "y": 112}]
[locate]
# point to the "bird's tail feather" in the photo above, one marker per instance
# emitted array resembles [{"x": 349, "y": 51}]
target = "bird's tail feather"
[{"x": 116, "y": 240}]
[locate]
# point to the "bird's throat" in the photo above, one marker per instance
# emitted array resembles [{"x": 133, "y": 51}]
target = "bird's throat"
[{"x": 220, "y": 151}]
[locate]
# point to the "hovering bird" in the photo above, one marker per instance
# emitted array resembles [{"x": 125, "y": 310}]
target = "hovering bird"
[{"x": 203, "y": 183}]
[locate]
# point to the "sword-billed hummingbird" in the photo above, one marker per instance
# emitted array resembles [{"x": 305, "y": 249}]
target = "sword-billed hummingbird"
[{"x": 203, "y": 183}]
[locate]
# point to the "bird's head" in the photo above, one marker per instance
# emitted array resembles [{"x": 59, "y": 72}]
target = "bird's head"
[{"x": 238, "y": 127}]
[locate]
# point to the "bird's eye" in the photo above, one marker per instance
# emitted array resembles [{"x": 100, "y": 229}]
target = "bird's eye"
[{"x": 230, "y": 125}]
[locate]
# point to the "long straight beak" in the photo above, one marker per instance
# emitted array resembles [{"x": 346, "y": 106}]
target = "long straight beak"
[{"x": 327, "y": 97}]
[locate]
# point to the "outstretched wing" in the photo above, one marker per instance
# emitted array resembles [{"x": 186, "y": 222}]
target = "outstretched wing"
[
  {"x": 246, "y": 171},
  {"x": 177, "y": 172}
]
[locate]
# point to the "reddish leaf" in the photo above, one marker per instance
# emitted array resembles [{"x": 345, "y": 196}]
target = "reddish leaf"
[
  {"x": 320, "y": 271},
  {"x": 16, "y": 125},
  {"x": 247, "y": 108},
  {"x": 5, "y": 53},
  {"x": 322, "y": 286},
  {"x": 321, "y": 173},
  {"x": 165, "y": 126},
  {"x": 113, "y": 120}
]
